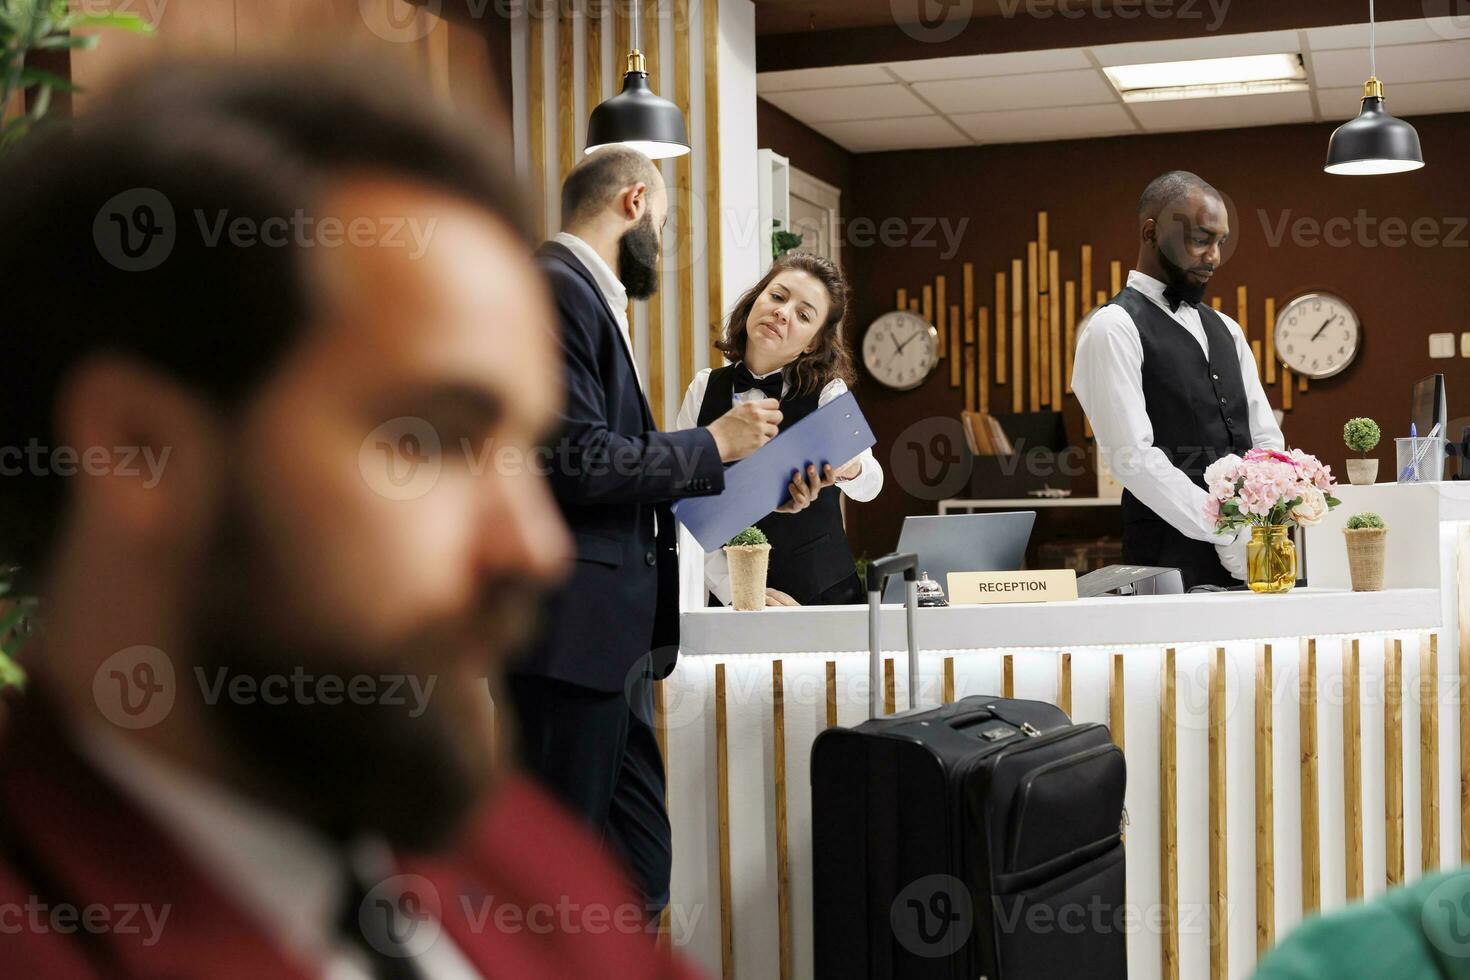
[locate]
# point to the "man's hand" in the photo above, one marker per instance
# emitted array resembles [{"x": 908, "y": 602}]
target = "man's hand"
[
  {"x": 745, "y": 428},
  {"x": 1232, "y": 553}
]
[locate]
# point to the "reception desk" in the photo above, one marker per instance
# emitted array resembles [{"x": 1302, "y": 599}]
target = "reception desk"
[{"x": 1285, "y": 753}]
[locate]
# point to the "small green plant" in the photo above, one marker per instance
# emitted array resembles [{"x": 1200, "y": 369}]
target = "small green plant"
[
  {"x": 782, "y": 241},
  {"x": 749, "y": 536},
  {"x": 1361, "y": 435},
  {"x": 16, "y": 628},
  {"x": 1365, "y": 521}
]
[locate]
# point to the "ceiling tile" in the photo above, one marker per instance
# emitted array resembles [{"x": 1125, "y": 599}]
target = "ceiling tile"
[
  {"x": 1046, "y": 89},
  {"x": 841, "y": 104},
  {"x": 836, "y": 77},
  {"x": 1398, "y": 63},
  {"x": 893, "y": 134},
  {"x": 1032, "y": 125},
  {"x": 1409, "y": 99},
  {"x": 983, "y": 65},
  {"x": 1197, "y": 48},
  {"x": 1224, "y": 113},
  {"x": 1413, "y": 31}
]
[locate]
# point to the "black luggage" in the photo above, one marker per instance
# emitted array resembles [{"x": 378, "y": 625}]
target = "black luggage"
[{"x": 979, "y": 839}]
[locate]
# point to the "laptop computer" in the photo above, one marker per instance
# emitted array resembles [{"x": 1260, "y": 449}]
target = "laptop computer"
[{"x": 963, "y": 543}]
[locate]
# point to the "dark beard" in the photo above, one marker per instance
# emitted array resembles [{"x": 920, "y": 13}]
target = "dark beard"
[
  {"x": 405, "y": 761},
  {"x": 638, "y": 259},
  {"x": 1178, "y": 278}
]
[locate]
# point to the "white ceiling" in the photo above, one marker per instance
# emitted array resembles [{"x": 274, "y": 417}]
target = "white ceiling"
[{"x": 1033, "y": 96}]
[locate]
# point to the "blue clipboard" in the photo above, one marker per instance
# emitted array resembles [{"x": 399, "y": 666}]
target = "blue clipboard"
[{"x": 757, "y": 485}]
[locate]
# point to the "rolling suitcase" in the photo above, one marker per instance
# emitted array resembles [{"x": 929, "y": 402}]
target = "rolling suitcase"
[{"x": 979, "y": 839}]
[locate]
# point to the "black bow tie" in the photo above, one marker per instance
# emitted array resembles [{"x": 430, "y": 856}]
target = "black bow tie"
[
  {"x": 771, "y": 385},
  {"x": 1174, "y": 297}
]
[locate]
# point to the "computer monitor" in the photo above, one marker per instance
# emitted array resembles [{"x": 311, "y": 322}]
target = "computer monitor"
[
  {"x": 963, "y": 543},
  {"x": 1427, "y": 405}
]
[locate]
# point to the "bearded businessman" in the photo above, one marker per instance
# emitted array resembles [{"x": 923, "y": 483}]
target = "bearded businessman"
[
  {"x": 1170, "y": 385},
  {"x": 583, "y": 697}
]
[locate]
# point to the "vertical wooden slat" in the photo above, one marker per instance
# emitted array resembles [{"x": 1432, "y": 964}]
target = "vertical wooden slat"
[
  {"x": 1286, "y": 388},
  {"x": 901, "y": 301},
  {"x": 831, "y": 694},
  {"x": 1055, "y": 319},
  {"x": 928, "y": 305},
  {"x": 660, "y": 725},
  {"x": 1429, "y": 753},
  {"x": 1219, "y": 884},
  {"x": 566, "y": 59},
  {"x": 1116, "y": 701},
  {"x": 1242, "y": 311},
  {"x": 914, "y": 307},
  {"x": 536, "y": 113},
  {"x": 1217, "y": 303},
  {"x": 1086, "y": 279},
  {"x": 967, "y": 300},
  {"x": 956, "y": 351},
  {"x": 1268, "y": 324},
  {"x": 685, "y": 335},
  {"x": 1069, "y": 342},
  {"x": 1256, "y": 354},
  {"x": 714, "y": 248},
  {"x": 1352, "y": 775},
  {"x": 722, "y": 796},
  {"x": 1302, "y": 383},
  {"x": 1064, "y": 684},
  {"x": 1017, "y": 284},
  {"x": 1033, "y": 330},
  {"x": 1115, "y": 276},
  {"x": 982, "y": 357},
  {"x": 648, "y": 27},
  {"x": 1393, "y": 761},
  {"x": 1043, "y": 353},
  {"x": 966, "y": 356},
  {"x": 890, "y": 701},
  {"x": 1102, "y": 298},
  {"x": 948, "y": 680},
  {"x": 1168, "y": 821},
  {"x": 1310, "y": 828},
  {"x": 941, "y": 310},
  {"x": 1008, "y": 675},
  {"x": 1265, "y": 809},
  {"x": 783, "y": 867},
  {"x": 1042, "y": 247},
  {"x": 1000, "y": 328}
]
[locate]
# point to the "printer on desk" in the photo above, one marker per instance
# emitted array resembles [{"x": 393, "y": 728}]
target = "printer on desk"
[{"x": 1130, "y": 580}]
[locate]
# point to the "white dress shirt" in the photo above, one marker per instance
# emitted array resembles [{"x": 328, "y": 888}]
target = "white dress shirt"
[
  {"x": 1107, "y": 376},
  {"x": 608, "y": 283},
  {"x": 863, "y": 487},
  {"x": 290, "y": 878}
]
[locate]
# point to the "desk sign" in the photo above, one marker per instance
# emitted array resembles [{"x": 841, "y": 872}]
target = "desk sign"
[{"x": 972, "y": 588}]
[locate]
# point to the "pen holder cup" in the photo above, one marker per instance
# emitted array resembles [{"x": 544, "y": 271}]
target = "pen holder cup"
[{"x": 1429, "y": 467}]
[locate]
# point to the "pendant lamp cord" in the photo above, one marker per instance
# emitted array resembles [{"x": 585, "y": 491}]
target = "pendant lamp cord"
[
  {"x": 636, "y": 47},
  {"x": 1372, "y": 47}
]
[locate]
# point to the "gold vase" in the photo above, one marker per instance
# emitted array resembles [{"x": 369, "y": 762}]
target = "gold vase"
[{"x": 1270, "y": 559}]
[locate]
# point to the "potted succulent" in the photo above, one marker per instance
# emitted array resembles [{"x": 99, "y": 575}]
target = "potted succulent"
[
  {"x": 749, "y": 553},
  {"x": 1361, "y": 436},
  {"x": 1366, "y": 537}
]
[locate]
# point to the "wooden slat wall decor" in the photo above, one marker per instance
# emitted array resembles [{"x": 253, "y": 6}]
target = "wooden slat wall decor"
[
  {"x": 1429, "y": 752},
  {"x": 648, "y": 22},
  {"x": 1286, "y": 389},
  {"x": 1256, "y": 353},
  {"x": 831, "y": 694},
  {"x": 684, "y": 201},
  {"x": 1116, "y": 701},
  {"x": 902, "y": 301},
  {"x": 1242, "y": 312},
  {"x": 969, "y": 362},
  {"x": 940, "y": 311},
  {"x": 1016, "y": 348},
  {"x": 983, "y": 358},
  {"x": 1033, "y": 339},
  {"x": 1000, "y": 328},
  {"x": 1268, "y": 323},
  {"x": 928, "y": 308},
  {"x": 1064, "y": 683},
  {"x": 1310, "y": 829},
  {"x": 1393, "y": 761},
  {"x": 1086, "y": 279},
  {"x": 1265, "y": 811},
  {"x": 957, "y": 358},
  {"x": 1042, "y": 248},
  {"x": 722, "y": 778},
  {"x": 967, "y": 298},
  {"x": 592, "y": 54},
  {"x": 1216, "y": 303},
  {"x": 566, "y": 127},
  {"x": 1168, "y": 819},
  {"x": 1115, "y": 277},
  {"x": 1055, "y": 346},
  {"x": 783, "y": 863},
  {"x": 1219, "y": 884},
  {"x": 1069, "y": 304},
  {"x": 948, "y": 693},
  {"x": 1352, "y": 774},
  {"x": 536, "y": 115},
  {"x": 1008, "y": 675},
  {"x": 710, "y": 14}
]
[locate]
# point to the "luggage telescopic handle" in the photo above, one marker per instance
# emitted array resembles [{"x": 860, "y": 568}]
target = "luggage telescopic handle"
[{"x": 879, "y": 571}]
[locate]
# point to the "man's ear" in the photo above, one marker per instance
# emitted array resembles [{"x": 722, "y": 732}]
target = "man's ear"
[
  {"x": 147, "y": 449},
  {"x": 1149, "y": 231},
  {"x": 633, "y": 201}
]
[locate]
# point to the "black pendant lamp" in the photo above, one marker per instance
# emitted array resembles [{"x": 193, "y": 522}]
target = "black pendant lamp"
[
  {"x": 636, "y": 117},
  {"x": 1375, "y": 142}
]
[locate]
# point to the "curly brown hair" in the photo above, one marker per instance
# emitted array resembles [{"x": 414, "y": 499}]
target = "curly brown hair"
[{"x": 830, "y": 358}]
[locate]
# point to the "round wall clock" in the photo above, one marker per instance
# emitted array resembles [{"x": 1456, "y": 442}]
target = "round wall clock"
[
  {"x": 1317, "y": 334},
  {"x": 901, "y": 349}
]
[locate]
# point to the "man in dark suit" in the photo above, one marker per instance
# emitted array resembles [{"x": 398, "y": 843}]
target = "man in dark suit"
[
  {"x": 584, "y": 695},
  {"x": 257, "y": 737}
]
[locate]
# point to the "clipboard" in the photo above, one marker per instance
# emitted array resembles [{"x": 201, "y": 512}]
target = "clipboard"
[{"x": 757, "y": 484}]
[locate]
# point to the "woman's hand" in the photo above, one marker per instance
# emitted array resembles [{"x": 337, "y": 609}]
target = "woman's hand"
[
  {"x": 851, "y": 470},
  {"x": 775, "y": 597},
  {"x": 804, "y": 490}
]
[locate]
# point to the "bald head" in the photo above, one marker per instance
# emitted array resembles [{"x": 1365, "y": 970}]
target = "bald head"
[
  {"x": 595, "y": 184},
  {"x": 1169, "y": 190}
]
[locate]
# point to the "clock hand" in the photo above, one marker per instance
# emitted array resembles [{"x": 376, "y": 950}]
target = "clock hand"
[
  {"x": 907, "y": 342},
  {"x": 1322, "y": 328},
  {"x": 897, "y": 347}
]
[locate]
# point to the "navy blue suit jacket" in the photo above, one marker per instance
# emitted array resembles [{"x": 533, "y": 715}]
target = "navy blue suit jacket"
[{"x": 611, "y": 471}]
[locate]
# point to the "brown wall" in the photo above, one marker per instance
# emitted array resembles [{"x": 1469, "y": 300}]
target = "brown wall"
[
  {"x": 807, "y": 150},
  {"x": 1089, "y": 189}
]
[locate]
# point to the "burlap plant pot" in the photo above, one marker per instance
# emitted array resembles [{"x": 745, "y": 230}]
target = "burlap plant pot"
[
  {"x": 748, "y": 564},
  {"x": 1365, "y": 557}
]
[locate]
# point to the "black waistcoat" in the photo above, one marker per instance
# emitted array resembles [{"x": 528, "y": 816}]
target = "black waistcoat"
[
  {"x": 1197, "y": 407},
  {"x": 809, "y": 552}
]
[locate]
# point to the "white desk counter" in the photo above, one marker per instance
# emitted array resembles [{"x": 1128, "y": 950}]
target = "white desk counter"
[{"x": 1204, "y": 692}]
